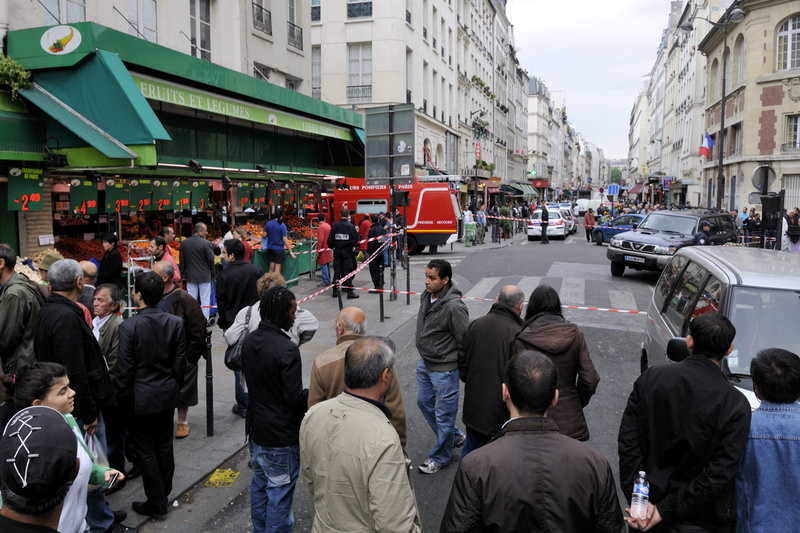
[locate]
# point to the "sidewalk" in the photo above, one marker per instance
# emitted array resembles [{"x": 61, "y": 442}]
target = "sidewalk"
[{"x": 198, "y": 455}]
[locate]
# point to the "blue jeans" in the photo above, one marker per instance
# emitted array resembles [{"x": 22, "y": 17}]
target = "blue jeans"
[
  {"x": 241, "y": 395},
  {"x": 275, "y": 472},
  {"x": 474, "y": 441},
  {"x": 202, "y": 293},
  {"x": 437, "y": 398},
  {"x": 325, "y": 270}
]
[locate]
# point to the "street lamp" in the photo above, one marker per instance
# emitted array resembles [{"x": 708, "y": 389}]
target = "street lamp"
[{"x": 735, "y": 15}]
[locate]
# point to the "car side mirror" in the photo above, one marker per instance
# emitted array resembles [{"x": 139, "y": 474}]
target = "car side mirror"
[
  {"x": 677, "y": 350},
  {"x": 635, "y": 226}
]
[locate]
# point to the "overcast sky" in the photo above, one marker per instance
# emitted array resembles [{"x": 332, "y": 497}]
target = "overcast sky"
[{"x": 596, "y": 52}]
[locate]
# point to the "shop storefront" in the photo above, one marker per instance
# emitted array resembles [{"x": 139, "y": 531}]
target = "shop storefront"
[{"x": 138, "y": 136}]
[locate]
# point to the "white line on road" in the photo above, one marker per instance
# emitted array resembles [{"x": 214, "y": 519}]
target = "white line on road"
[
  {"x": 482, "y": 288},
  {"x": 527, "y": 284},
  {"x": 572, "y": 291},
  {"x": 622, "y": 299}
]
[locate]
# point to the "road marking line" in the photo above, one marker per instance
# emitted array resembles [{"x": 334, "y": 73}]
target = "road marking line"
[
  {"x": 482, "y": 288},
  {"x": 527, "y": 284},
  {"x": 622, "y": 299},
  {"x": 573, "y": 290}
]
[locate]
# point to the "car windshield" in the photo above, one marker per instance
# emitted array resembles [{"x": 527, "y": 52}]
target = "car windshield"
[
  {"x": 764, "y": 318},
  {"x": 660, "y": 222}
]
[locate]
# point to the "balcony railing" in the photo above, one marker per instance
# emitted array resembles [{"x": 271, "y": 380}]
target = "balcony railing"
[
  {"x": 315, "y": 13},
  {"x": 360, "y": 9},
  {"x": 359, "y": 94},
  {"x": 295, "y": 37},
  {"x": 262, "y": 19},
  {"x": 791, "y": 146}
]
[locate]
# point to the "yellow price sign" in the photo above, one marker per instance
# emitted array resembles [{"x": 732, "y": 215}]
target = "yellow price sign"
[{"x": 222, "y": 478}]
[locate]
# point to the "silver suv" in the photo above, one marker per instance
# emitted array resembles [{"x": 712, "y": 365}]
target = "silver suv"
[
  {"x": 651, "y": 245},
  {"x": 758, "y": 290}
]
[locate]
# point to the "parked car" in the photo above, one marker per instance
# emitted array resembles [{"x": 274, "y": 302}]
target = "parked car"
[
  {"x": 572, "y": 225},
  {"x": 604, "y": 232},
  {"x": 757, "y": 289},
  {"x": 556, "y": 225},
  {"x": 662, "y": 233}
]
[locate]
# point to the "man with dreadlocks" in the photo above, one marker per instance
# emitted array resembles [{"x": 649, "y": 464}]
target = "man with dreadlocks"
[{"x": 274, "y": 374}]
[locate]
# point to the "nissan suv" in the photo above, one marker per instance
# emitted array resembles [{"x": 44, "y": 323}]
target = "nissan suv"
[
  {"x": 758, "y": 290},
  {"x": 662, "y": 233}
]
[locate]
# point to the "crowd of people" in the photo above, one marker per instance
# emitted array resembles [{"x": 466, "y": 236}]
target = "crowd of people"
[{"x": 118, "y": 386}]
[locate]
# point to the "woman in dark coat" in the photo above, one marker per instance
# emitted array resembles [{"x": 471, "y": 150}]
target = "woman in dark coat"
[
  {"x": 547, "y": 331},
  {"x": 111, "y": 264}
]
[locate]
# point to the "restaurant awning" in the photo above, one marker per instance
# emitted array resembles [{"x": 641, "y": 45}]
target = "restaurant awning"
[
  {"x": 526, "y": 189},
  {"x": 636, "y": 189},
  {"x": 513, "y": 190},
  {"x": 491, "y": 186}
]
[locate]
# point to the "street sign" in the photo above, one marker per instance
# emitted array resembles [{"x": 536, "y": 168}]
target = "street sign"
[{"x": 613, "y": 189}]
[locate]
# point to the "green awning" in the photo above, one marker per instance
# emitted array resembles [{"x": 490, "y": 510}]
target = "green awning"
[
  {"x": 361, "y": 135},
  {"x": 526, "y": 189},
  {"x": 75, "y": 123},
  {"x": 511, "y": 189}
]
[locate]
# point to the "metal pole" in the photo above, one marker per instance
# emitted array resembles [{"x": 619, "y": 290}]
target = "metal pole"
[
  {"x": 721, "y": 170},
  {"x": 209, "y": 387},
  {"x": 380, "y": 294}
]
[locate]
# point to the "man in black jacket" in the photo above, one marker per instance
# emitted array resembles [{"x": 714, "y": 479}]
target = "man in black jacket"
[
  {"x": 274, "y": 372},
  {"x": 532, "y": 478},
  {"x": 151, "y": 361},
  {"x": 376, "y": 265},
  {"x": 63, "y": 336},
  {"x": 686, "y": 426},
  {"x": 545, "y": 222},
  {"x": 482, "y": 357},
  {"x": 236, "y": 289},
  {"x": 342, "y": 240}
]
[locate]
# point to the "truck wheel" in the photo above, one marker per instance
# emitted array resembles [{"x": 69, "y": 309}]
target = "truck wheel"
[
  {"x": 617, "y": 268},
  {"x": 412, "y": 246},
  {"x": 598, "y": 238},
  {"x": 434, "y": 249}
]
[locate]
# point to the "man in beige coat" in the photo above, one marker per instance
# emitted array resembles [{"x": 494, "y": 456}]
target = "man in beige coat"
[
  {"x": 348, "y": 442},
  {"x": 327, "y": 372}
]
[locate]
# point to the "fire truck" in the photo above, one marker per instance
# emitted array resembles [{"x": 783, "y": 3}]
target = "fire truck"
[{"x": 432, "y": 213}]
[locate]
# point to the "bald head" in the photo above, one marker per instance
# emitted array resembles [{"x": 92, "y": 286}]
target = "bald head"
[
  {"x": 351, "y": 321},
  {"x": 166, "y": 271},
  {"x": 512, "y": 296},
  {"x": 89, "y": 272}
]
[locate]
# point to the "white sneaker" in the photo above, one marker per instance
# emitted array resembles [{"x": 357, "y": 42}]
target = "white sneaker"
[{"x": 429, "y": 467}]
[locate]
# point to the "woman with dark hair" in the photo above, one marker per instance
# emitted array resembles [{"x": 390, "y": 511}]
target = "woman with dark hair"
[
  {"x": 47, "y": 384},
  {"x": 111, "y": 264},
  {"x": 547, "y": 331}
]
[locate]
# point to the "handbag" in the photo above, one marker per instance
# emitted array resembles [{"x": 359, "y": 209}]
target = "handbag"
[{"x": 233, "y": 354}]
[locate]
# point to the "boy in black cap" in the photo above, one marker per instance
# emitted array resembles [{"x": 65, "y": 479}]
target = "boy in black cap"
[{"x": 38, "y": 462}]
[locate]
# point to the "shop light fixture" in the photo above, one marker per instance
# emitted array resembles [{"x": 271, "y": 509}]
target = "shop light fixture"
[
  {"x": 93, "y": 175},
  {"x": 261, "y": 169},
  {"x": 226, "y": 182},
  {"x": 195, "y": 166}
]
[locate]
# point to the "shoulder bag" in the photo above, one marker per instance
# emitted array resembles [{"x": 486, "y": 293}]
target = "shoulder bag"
[{"x": 233, "y": 355}]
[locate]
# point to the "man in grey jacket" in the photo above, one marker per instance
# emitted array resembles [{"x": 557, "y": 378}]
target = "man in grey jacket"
[{"x": 441, "y": 321}]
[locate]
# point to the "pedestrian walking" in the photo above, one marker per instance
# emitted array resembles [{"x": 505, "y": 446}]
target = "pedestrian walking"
[
  {"x": 324, "y": 253},
  {"x": 441, "y": 322},
  {"x": 588, "y": 223},
  {"x": 547, "y": 331}
]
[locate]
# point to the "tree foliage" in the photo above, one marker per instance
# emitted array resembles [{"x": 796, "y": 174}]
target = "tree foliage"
[
  {"x": 616, "y": 175},
  {"x": 13, "y": 75}
]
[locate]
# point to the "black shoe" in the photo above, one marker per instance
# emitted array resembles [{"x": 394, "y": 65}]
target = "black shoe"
[
  {"x": 133, "y": 473},
  {"x": 352, "y": 296},
  {"x": 119, "y": 516},
  {"x": 117, "y": 486},
  {"x": 235, "y": 410},
  {"x": 146, "y": 509}
]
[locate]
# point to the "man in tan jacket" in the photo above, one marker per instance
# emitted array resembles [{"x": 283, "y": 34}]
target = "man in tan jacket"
[{"x": 327, "y": 372}]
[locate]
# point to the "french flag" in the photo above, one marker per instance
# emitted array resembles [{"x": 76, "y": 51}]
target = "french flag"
[{"x": 708, "y": 144}]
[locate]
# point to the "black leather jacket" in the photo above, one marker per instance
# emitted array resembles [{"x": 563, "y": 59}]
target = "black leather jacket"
[{"x": 687, "y": 428}]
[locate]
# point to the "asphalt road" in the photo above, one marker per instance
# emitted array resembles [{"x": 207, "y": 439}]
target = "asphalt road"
[{"x": 581, "y": 274}]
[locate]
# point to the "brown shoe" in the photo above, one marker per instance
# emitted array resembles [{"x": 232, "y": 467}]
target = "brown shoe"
[{"x": 183, "y": 430}]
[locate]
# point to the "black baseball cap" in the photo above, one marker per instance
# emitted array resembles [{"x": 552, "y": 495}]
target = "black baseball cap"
[{"x": 37, "y": 453}]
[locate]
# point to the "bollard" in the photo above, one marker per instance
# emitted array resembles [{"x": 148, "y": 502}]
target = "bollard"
[
  {"x": 380, "y": 294},
  {"x": 209, "y": 387}
]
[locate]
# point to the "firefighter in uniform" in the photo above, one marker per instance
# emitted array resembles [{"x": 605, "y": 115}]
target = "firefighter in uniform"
[{"x": 343, "y": 240}]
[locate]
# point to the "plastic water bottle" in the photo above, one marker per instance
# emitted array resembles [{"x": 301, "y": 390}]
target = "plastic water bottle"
[{"x": 640, "y": 496}]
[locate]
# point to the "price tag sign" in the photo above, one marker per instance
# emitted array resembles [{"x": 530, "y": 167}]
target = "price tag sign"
[
  {"x": 200, "y": 199},
  {"x": 182, "y": 195},
  {"x": 243, "y": 190},
  {"x": 162, "y": 195},
  {"x": 118, "y": 198},
  {"x": 276, "y": 196},
  {"x": 141, "y": 195},
  {"x": 259, "y": 194},
  {"x": 83, "y": 197},
  {"x": 25, "y": 188}
]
